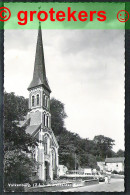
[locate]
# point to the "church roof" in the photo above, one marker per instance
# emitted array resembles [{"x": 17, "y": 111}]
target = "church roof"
[
  {"x": 24, "y": 122},
  {"x": 39, "y": 74},
  {"x": 32, "y": 129}
]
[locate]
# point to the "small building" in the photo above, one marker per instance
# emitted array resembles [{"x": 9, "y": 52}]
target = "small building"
[
  {"x": 62, "y": 169},
  {"x": 115, "y": 164}
]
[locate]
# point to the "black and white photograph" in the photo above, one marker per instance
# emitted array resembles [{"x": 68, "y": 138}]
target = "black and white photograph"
[{"x": 64, "y": 110}]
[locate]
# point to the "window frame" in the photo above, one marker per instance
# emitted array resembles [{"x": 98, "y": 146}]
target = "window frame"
[
  {"x": 33, "y": 100},
  {"x": 38, "y": 99}
]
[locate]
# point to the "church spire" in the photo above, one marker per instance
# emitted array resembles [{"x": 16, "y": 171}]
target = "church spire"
[{"x": 39, "y": 74}]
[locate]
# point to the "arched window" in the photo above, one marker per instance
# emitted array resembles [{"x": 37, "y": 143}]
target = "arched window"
[
  {"x": 44, "y": 120},
  {"x": 48, "y": 105},
  {"x": 37, "y": 99},
  {"x": 53, "y": 159},
  {"x": 45, "y": 145},
  {"x": 33, "y": 100},
  {"x": 43, "y": 99},
  {"x": 47, "y": 121},
  {"x": 46, "y": 101}
]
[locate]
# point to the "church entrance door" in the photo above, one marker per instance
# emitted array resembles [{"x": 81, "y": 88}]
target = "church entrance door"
[{"x": 47, "y": 177}]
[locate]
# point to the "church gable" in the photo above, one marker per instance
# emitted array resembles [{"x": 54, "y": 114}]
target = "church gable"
[{"x": 54, "y": 142}]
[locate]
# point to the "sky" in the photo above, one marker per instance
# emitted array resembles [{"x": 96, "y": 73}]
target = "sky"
[{"x": 85, "y": 69}]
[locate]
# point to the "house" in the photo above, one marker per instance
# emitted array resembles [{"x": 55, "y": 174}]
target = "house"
[
  {"x": 116, "y": 164},
  {"x": 38, "y": 120}
]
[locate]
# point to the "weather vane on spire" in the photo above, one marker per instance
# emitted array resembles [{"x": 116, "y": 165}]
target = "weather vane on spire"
[{"x": 39, "y": 8}]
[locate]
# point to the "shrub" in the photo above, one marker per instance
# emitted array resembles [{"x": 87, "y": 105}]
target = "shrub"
[
  {"x": 14, "y": 189},
  {"x": 31, "y": 183},
  {"x": 114, "y": 172},
  {"x": 121, "y": 173},
  {"x": 38, "y": 181}
]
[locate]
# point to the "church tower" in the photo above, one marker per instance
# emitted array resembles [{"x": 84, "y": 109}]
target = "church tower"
[
  {"x": 39, "y": 90},
  {"x": 39, "y": 117}
]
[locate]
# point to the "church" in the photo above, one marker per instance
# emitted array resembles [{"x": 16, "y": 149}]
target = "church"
[{"x": 38, "y": 122}]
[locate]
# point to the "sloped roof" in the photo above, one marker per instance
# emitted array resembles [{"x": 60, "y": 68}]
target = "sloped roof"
[
  {"x": 32, "y": 129},
  {"x": 114, "y": 160},
  {"x": 39, "y": 74},
  {"x": 24, "y": 122}
]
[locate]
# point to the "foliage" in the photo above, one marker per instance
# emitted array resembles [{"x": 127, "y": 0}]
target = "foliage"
[
  {"x": 14, "y": 189},
  {"x": 120, "y": 153},
  {"x": 104, "y": 145},
  {"x": 121, "y": 173},
  {"x": 114, "y": 172},
  {"x": 18, "y": 166},
  {"x": 15, "y": 107},
  {"x": 38, "y": 181},
  {"x": 58, "y": 115},
  {"x": 74, "y": 151}
]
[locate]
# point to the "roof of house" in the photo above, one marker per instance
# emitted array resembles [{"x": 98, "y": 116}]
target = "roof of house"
[{"x": 114, "y": 160}]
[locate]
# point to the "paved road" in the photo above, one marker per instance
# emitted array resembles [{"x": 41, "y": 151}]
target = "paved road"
[{"x": 116, "y": 185}]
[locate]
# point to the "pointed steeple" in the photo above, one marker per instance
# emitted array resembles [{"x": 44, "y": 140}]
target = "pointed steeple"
[{"x": 39, "y": 74}]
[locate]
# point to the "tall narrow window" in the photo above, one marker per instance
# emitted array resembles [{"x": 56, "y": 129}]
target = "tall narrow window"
[
  {"x": 33, "y": 100},
  {"x": 44, "y": 120},
  {"x": 53, "y": 159},
  {"x": 37, "y": 99},
  {"x": 43, "y": 99},
  {"x": 46, "y": 101},
  {"x": 45, "y": 145},
  {"x": 48, "y": 105},
  {"x": 47, "y": 121}
]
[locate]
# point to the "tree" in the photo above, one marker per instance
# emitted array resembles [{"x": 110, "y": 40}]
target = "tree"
[
  {"x": 18, "y": 145},
  {"x": 104, "y": 146},
  {"x": 18, "y": 167},
  {"x": 57, "y": 115},
  {"x": 15, "y": 107},
  {"x": 120, "y": 153},
  {"x": 92, "y": 161}
]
